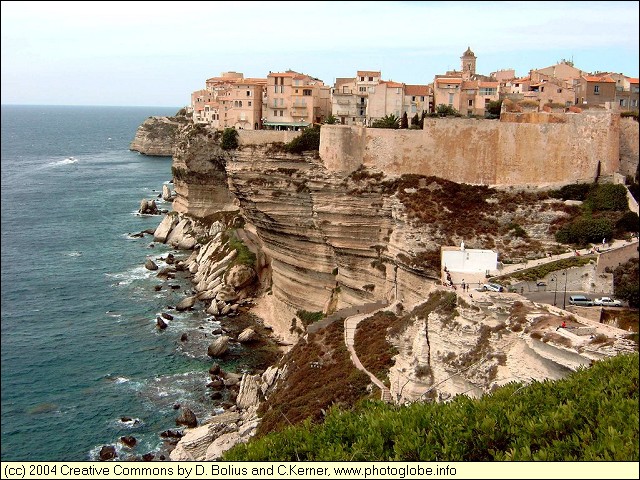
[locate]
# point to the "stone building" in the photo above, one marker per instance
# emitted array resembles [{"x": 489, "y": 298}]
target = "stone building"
[{"x": 294, "y": 100}]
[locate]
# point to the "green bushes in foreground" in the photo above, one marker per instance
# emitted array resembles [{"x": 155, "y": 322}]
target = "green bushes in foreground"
[{"x": 590, "y": 415}]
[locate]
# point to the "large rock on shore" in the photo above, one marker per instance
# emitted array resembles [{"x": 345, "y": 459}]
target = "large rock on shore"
[
  {"x": 218, "y": 347},
  {"x": 193, "y": 446},
  {"x": 240, "y": 276},
  {"x": 186, "y": 303}
]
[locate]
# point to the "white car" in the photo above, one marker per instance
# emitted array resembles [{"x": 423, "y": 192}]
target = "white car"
[
  {"x": 492, "y": 287},
  {"x": 607, "y": 302}
]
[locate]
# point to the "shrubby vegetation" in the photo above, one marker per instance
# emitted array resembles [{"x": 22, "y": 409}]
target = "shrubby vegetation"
[
  {"x": 605, "y": 213},
  {"x": 319, "y": 374},
  {"x": 309, "y": 317},
  {"x": 308, "y": 140},
  {"x": 388, "y": 121},
  {"x": 626, "y": 282},
  {"x": 229, "y": 139},
  {"x": 592, "y": 415}
]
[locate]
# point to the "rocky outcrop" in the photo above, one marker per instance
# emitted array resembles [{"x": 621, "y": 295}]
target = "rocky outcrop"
[
  {"x": 157, "y": 136},
  {"x": 211, "y": 440}
]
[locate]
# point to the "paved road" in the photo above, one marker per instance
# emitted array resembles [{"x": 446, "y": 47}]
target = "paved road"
[{"x": 549, "y": 296}]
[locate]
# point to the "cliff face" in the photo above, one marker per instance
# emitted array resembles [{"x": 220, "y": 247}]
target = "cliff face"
[
  {"x": 335, "y": 240},
  {"x": 157, "y": 136}
]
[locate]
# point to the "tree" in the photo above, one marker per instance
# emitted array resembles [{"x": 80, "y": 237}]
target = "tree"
[
  {"x": 415, "y": 120},
  {"x": 388, "y": 121},
  {"x": 494, "y": 108},
  {"x": 331, "y": 120},
  {"x": 229, "y": 139},
  {"x": 446, "y": 110},
  {"x": 404, "y": 123}
]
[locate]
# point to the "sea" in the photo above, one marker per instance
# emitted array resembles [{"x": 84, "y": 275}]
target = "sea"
[{"x": 83, "y": 362}]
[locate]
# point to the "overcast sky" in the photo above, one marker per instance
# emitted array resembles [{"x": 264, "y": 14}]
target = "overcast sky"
[{"x": 157, "y": 53}]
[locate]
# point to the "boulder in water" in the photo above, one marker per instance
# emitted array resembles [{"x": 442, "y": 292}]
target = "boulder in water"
[
  {"x": 150, "y": 265},
  {"x": 187, "y": 418},
  {"x": 129, "y": 441},
  {"x": 108, "y": 452},
  {"x": 218, "y": 347}
]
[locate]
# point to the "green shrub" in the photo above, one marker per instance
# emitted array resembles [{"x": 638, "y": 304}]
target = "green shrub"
[
  {"x": 309, "y": 317},
  {"x": 575, "y": 191},
  {"x": 585, "y": 230},
  {"x": 308, "y": 140},
  {"x": 244, "y": 256},
  {"x": 446, "y": 110},
  {"x": 544, "y": 421},
  {"x": 607, "y": 196},
  {"x": 628, "y": 222},
  {"x": 229, "y": 139},
  {"x": 388, "y": 121}
]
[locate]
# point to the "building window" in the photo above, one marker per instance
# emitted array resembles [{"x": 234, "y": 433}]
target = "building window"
[
  {"x": 249, "y": 103},
  {"x": 248, "y": 93},
  {"x": 634, "y": 103},
  {"x": 282, "y": 88},
  {"x": 275, "y": 88},
  {"x": 413, "y": 99},
  {"x": 362, "y": 80},
  {"x": 281, "y": 113},
  {"x": 398, "y": 92},
  {"x": 362, "y": 89},
  {"x": 451, "y": 99},
  {"x": 306, "y": 93},
  {"x": 596, "y": 90},
  {"x": 422, "y": 98},
  {"x": 622, "y": 102},
  {"x": 361, "y": 113},
  {"x": 471, "y": 103},
  {"x": 371, "y": 79}
]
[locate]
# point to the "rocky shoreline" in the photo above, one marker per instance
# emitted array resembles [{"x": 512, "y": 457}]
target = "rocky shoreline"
[{"x": 225, "y": 288}]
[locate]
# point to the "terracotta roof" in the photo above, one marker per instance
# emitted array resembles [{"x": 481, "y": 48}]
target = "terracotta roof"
[
  {"x": 343, "y": 81},
  {"x": 416, "y": 90},
  {"x": 599, "y": 78},
  {"x": 368, "y": 73},
  {"x": 283, "y": 74},
  {"x": 449, "y": 80},
  {"x": 469, "y": 85},
  {"x": 256, "y": 81},
  {"x": 488, "y": 84},
  {"x": 633, "y": 80},
  {"x": 392, "y": 84}
]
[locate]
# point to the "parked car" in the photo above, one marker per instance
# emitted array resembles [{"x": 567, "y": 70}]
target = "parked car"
[
  {"x": 492, "y": 287},
  {"x": 541, "y": 283},
  {"x": 580, "y": 300},
  {"x": 607, "y": 302}
]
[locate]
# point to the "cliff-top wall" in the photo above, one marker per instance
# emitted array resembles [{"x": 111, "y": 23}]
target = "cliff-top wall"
[{"x": 543, "y": 149}]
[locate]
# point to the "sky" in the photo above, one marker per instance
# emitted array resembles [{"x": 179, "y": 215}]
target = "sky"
[{"x": 156, "y": 53}]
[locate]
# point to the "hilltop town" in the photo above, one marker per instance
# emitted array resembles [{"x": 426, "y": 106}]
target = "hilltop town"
[{"x": 291, "y": 100}]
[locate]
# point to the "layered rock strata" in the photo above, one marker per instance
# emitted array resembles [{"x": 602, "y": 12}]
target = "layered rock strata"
[{"x": 157, "y": 136}]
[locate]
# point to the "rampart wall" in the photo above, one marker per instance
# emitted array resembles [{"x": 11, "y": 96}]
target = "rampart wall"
[
  {"x": 542, "y": 149},
  {"x": 629, "y": 145},
  {"x": 616, "y": 257},
  {"x": 262, "y": 137}
]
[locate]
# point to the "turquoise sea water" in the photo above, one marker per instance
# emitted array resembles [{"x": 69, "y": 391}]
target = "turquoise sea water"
[{"x": 80, "y": 349}]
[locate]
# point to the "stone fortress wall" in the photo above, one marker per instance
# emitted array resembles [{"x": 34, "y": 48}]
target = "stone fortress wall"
[{"x": 537, "y": 148}]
